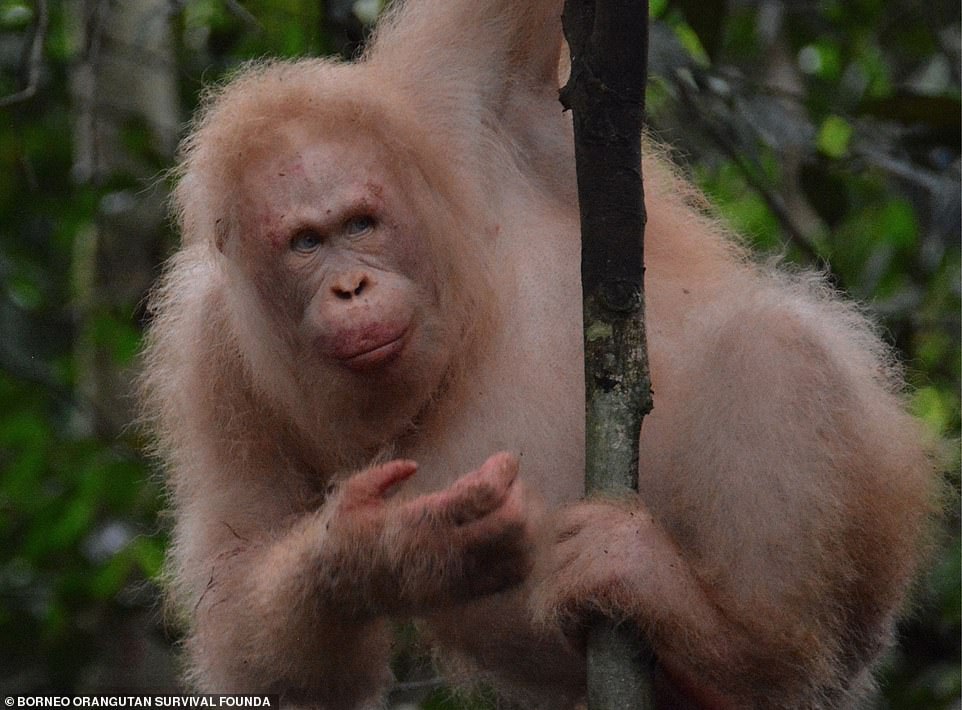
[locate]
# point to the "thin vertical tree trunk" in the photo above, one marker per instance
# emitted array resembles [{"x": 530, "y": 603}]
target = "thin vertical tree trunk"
[
  {"x": 124, "y": 79},
  {"x": 608, "y": 40},
  {"x": 124, "y": 89}
]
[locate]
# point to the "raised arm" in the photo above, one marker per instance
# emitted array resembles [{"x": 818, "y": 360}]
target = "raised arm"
[{"x": 462, "y": 48}]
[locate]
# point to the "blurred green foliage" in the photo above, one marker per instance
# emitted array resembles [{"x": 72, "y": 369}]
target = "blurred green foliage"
[
  {"x": 77, "y": 513},
  {"x": 826, "y": 130}
]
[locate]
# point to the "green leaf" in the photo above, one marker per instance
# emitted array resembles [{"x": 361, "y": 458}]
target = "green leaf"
[
  {"x": 148, "y": 552},
  {"x": 15, "y": 15},
  {"x": 62, "y": 531},
  {"x": 692, "y": 44},
  {"x": 898, "y": 225},
  {"x": 933, "y": 407},
  {"x": 821, "y": 59},
  {"x": 834, "y": 136},
  {"x": 110, "y": 578},
  {"x": 119, "y": 337},
  {"x": 743, "y": 208}
]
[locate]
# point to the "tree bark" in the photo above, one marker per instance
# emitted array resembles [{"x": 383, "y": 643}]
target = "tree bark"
[
  {"x": 608, "y": 40},
  {"x": 124, "y": 79},
  {"x": 124, "y": 88}
]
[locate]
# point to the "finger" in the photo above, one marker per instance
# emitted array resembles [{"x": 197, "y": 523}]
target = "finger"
[
  {"x": 375, "y": 482},
  {"x": 498, "y": 470},
  {"x": 502, "y": 467},
  {"x": 506, "y": 521},
  {"x": 471, "y": 497},
  {"x": 476, "y": 494},
  {"x": 496, "y": 473}
]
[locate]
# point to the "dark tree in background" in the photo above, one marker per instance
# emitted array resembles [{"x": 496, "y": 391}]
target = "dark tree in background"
[{"x": 824, "y": 130}]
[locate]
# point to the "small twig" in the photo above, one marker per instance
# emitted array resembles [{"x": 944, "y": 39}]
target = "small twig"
[
  {"x": 243, "y": 13},
  {"x": 34, "y": 58},
  {"x": 774, "y": 202}
]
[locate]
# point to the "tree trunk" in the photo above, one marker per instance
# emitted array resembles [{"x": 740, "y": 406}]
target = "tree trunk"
[
  {"x": 126, "y": 118},
  {"x": 124, "y": 87},
  {"x": 608, "y": 40}
]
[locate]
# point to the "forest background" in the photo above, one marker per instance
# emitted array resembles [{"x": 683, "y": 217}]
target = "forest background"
[{"x": 827, "y": 131}]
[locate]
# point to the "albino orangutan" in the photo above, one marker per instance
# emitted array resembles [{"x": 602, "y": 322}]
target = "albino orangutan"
[{"x": 365, "y": 377}]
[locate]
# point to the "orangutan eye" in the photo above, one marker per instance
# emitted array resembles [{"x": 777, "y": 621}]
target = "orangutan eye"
[
  {"x": 306, "y": 241},
  {"x": 358, "y": 225}
]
